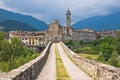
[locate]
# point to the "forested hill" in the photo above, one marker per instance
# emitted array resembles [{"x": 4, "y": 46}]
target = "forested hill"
[
  {"x": 13, "y": 25},
  {"x": 98, "y": 23},
  {"x": 33, "y": 22}
]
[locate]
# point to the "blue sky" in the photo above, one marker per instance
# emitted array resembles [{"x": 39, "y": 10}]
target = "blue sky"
[{"x": 48, "y": 10}]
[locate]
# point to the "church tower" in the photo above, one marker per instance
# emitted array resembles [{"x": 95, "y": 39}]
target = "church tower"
[{"x": 68, "y": 18}]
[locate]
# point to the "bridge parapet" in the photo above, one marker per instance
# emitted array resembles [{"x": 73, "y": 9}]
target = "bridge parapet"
[
  {"x": 97, "y": 70},
  {"x": 30, "y": 70}
]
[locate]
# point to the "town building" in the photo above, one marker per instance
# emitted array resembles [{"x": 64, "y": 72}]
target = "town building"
[
  {"x": 56, "y": 32},
  {"x": 30, "y": 38},
  {"x": 105, "y": 33},
  {"x": 85, "y": 35}
]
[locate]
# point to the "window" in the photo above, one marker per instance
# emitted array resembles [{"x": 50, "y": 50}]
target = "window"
[{"x": 67, "y": 17}]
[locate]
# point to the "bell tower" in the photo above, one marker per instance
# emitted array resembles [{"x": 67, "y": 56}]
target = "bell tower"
[{"x": 68, "y": 18}]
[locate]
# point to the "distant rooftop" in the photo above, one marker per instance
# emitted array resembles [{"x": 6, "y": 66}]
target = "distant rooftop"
[{"x": 85, "y": 30}]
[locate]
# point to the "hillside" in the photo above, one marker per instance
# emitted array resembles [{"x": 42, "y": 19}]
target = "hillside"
[
  {"x": 98, "y": 23},
  {"x": 33, "y": 22},
  {"x": 13, "y": 25}
]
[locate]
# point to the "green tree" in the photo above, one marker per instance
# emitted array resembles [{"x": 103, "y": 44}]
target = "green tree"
[
  {"x": 5, "y": 52},
  {"x": 69, "y": 42},
  {"x": 106, "y": 46},
  {"x": 13, "y": 54},
  {"x": 17, "y": 47},
  {"x": 81, "y": 42},
  {"x": 2, "y": 36},
  {"x": 106, "y": 49},
  {"x": 114, "y": 59},
  {"x": 95, "y": 42},
  {"x": 118, "y": 48},
  {"x": 28, "y": 51},
  {"x": 118, "y": 36},
  {"x": 118, "y": 43},
  {"x": 76, "y": 44}
]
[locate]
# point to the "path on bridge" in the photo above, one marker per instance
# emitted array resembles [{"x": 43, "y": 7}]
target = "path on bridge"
[
  {"x": 49, "y": 70},
  {"x": 74, "y": 71}
]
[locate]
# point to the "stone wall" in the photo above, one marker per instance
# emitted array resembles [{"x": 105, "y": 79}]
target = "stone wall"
[
  {"x": 97, "y": 70},
  {"x": 30, "y": 70}
]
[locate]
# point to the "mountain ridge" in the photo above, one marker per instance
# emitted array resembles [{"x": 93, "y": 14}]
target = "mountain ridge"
[
  {"x": 13, "y": 25},
  {"x": 98, "y": 23},
  {"x": 33, "y": 22}
]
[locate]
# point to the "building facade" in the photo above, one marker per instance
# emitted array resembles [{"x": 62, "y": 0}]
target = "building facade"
[
  {"x": 85, "y": 35},
  {"x": 30, "y": 38},
  {"x": 57, "y": 33},
  {"x": 104, "y": 34}
]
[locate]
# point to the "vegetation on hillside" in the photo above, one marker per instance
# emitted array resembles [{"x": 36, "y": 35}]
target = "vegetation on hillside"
[
  {"x": 98, "y": 23},
  {"x": 33, "y": 22},
  {"x": 13, "y": 54},
  {"x": 13, "y": 25},
  {"x": 107, "y": 49}
]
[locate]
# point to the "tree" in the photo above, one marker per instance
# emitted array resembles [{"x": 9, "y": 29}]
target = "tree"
[
  {"x": 113, "y": 59},
  {"x": 17, "y": 47},
  {"x": 106, "y": 46},
  {"x": 118, "y": 43},
  {"x": 118, "y": 48},
  {"x": 69, "y": 42},
  {"x": 95, "y": 42},
  {"x": 2, "y": 36},
  {"x": 81, "y": 42},
  {"x": 5, "y": 52},
  {"x": 14, "y": 54},
  {"x": 118, "y": 36},
  {"x": 106, "y": 50}
]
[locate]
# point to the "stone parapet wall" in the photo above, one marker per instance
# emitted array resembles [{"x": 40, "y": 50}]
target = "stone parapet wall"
[
  {"x": 30, "y": 70},
  {"x": 97, "y": 70}
]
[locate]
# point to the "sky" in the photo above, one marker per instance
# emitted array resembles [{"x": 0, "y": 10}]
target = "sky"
[{"x": 49, "y": 10}]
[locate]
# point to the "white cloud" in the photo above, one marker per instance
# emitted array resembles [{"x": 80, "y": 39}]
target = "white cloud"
[{"x": 48, "y": 10}]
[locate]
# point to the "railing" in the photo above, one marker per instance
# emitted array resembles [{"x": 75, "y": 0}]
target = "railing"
[
  {"x": 30, "y": 70},
  {"x": 97, "y": 70}
]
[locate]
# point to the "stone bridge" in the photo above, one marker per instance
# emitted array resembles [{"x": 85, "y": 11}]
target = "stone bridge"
[{"x": 78, "y": 68}]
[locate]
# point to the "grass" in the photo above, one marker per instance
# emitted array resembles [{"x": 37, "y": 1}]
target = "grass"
[
  {"x": 60, "y": 69},
  {"x": 89, "y": 56}
]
